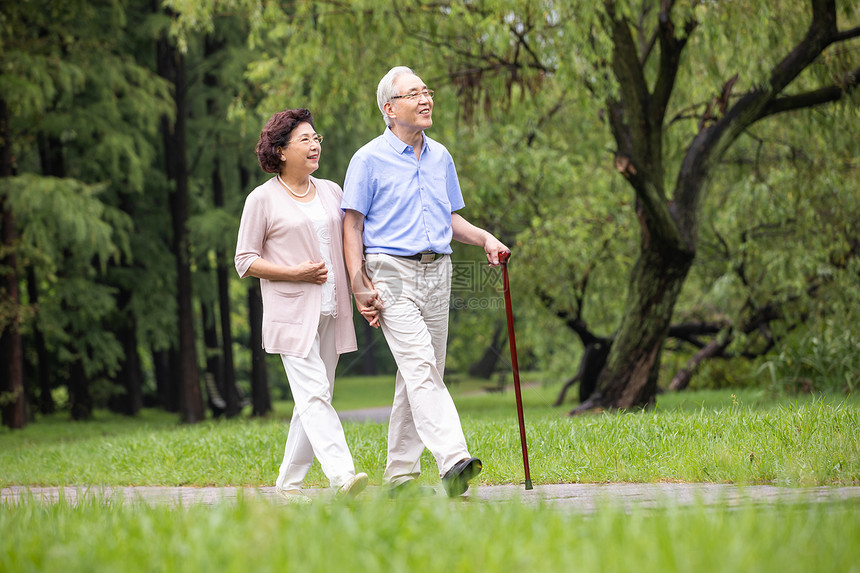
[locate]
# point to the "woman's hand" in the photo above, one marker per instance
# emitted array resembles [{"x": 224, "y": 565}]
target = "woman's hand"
[
  {"x": 367, "y": 299},
  {"x": 307, "y": 272},
  {"x": 310, "y": 272},
  {"x": 368, "y": 303}
]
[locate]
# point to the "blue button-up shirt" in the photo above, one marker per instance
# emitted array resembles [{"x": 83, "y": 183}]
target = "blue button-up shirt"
[{"x": 407, "y": 204}]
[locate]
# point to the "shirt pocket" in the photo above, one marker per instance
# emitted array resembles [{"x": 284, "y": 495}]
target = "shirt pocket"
[
  {"x": 440, "y": 192},
  {"x": 287, "y": 307}
]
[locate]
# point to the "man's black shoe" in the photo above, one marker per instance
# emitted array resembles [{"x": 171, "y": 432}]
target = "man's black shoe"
[
  {"x": 456, "y": 480},
  {"x": 410, "y": 489}
]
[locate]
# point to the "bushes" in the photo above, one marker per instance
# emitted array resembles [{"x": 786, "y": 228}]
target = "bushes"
[{"x": 825, "y": 361}]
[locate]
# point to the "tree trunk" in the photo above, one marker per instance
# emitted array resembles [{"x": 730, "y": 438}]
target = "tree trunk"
[
  {"x": 486, "y": 365},
  {"x": 629, "y": 378},
  {"x": 230, "y": 392},
  {"x": 11, "y": 351},
  {"x": 130, "y": 375},
  {"x": 260, "y": 397},
  {"x": 171, "y": 66},
  {"x": 165, "y": 380},
  {"x": 80, "y": 400},
  {"x": 214, "y": 372},
  {"x": 42, "y": 367},
  {"x": 593, "y": 360}
]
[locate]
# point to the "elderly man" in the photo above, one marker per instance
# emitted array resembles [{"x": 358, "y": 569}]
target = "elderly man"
[{"x": 400, "y": 196}]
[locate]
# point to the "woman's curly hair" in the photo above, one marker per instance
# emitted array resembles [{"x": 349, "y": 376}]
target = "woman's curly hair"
[{"x": 276, "y": 133}]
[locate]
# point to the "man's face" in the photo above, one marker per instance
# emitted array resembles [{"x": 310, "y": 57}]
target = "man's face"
[{"x": 416, "y": 112}]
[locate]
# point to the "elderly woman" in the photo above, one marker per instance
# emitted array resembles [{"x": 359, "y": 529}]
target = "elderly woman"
[{"x": 290, "y": 238}]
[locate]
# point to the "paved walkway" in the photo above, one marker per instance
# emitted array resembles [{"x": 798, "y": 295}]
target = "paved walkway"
[{"x": 577, "y": 497}]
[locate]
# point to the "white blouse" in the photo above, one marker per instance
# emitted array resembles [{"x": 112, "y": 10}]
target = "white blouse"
[{"x": 316, "y": 213}]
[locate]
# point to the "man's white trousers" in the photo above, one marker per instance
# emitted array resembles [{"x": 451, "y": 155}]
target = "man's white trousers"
[{"x": 415, "y": 324}]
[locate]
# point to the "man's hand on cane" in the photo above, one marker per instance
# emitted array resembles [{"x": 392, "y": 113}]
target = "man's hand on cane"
[{"x": 495, "y": 249}]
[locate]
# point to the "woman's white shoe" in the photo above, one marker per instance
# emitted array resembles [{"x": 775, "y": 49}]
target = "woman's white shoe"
[
  {"x": 353, "y": 486},
  {"x": 294, "y": 496}
]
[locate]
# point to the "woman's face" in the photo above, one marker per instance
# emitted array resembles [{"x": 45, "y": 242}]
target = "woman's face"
[{"x": 302, "y": 152}]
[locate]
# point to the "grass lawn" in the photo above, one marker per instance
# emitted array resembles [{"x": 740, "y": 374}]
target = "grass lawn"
[
  {"x": 738, "y": 437},
  {"x": 694, "y": 437}
]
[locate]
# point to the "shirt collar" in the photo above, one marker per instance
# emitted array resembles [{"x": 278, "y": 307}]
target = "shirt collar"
[{"x": 399, "y": 145}]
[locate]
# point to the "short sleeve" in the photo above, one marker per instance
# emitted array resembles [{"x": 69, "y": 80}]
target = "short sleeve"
[
  {"x": 455, "y": 194},
  {"x": 357, "y": 186},
  {"x": 252, "y": 232}
]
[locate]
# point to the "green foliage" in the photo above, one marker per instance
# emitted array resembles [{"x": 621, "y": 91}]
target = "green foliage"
[
  {"x": 716, "y": 374},
  {"x": 60, "y": 217},
  {"x": 66, "y": 229},
  {"x": 823, "y": 361},
  {"x": 521, "y": 100},
  {"x": 780, "y": 239},
  {"x": 215, "y": 229},
  {"x": 83, "y": 110}
]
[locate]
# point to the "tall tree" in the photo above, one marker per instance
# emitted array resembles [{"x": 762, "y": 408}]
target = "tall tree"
[
  {"x": 221, "y": 55},
  {"x": 171, "y": 66},
  {"x": 261, "y": 399},
  {"x": 669, "y": 218},
  {"x": 78, "y": 118},
  {"x": 632, "y": 55},
  {"x": 529, "y": 97},
  {"x": 12, "y": 397}
]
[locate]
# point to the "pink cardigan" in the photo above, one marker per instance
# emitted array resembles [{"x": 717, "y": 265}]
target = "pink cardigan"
[{"x": 274, "y": 228}]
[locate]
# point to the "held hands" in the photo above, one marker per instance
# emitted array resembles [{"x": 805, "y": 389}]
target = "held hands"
[
  {"x": 367, "y": 301},
  {"x": 311, "y": 272},
  {"x": 369, "y": 305}
]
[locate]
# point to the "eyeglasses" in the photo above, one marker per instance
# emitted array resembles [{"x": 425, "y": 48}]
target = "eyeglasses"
[
  {"x": 306, "y": 139},
  {"x": 414, "y": 96}
]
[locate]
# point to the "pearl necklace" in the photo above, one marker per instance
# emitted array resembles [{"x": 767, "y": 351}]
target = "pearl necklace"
[{"x": 305, "y": 194}]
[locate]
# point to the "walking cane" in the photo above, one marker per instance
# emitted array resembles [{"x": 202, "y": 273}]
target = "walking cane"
[{"x": 503, "y": 260}]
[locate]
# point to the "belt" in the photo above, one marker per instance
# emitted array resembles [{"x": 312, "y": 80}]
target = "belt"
[{"x": 423, "y": 257}]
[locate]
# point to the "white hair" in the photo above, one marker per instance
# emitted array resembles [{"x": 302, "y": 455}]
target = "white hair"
[{"x": 385, "y": 90}]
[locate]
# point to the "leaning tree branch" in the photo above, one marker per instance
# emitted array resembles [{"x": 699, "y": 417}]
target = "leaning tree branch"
[
  {"x": 759, "y": 320},
  {"x": 688, "y": 331},
  {"x": 632, "y": 84},
  {"x": 821, "y": 33},
  {"x": 573, "y": 322},
  {"x": 814, "y": 98},
  {"x": 712, "y": 140},
  {"x": 847, "y": 35},
  {"x": 682, "y": 378},
  {"x": 638, "y": 157},
  {"x": 670, "y": 61}
]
